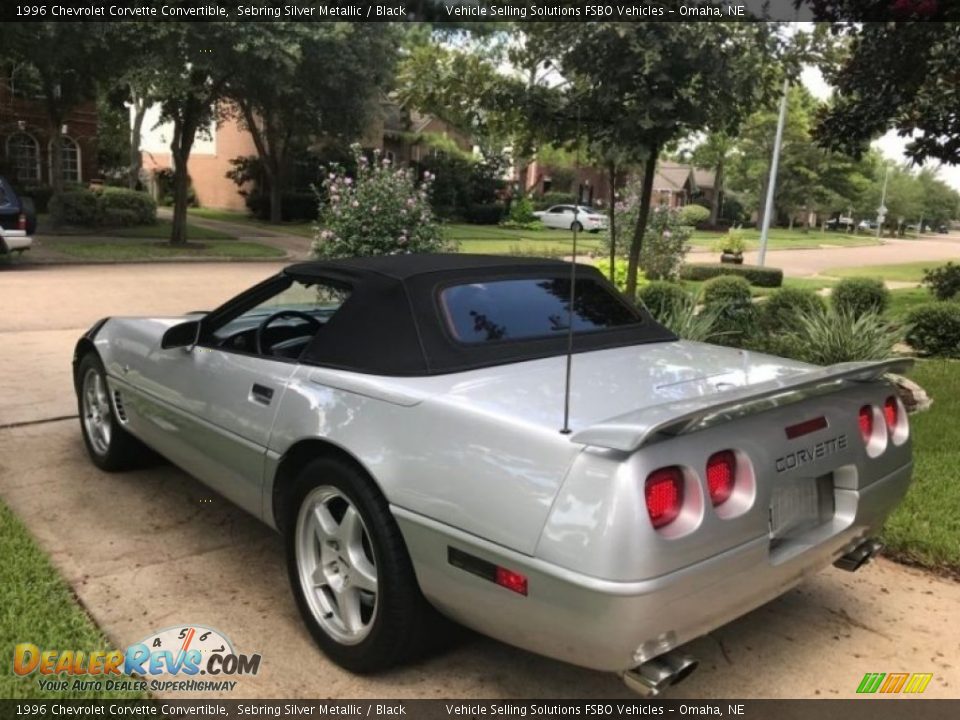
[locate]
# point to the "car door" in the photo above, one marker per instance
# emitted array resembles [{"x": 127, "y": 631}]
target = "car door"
[{"x": 556, "y": 217}]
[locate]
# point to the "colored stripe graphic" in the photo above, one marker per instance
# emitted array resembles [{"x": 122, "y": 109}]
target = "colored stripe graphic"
[
  {"x": 870, "y": 682},
  {"x": 894, "y": 682},
  {"x": 918, "y": 682}
]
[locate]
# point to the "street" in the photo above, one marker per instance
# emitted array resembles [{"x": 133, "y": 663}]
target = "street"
[{"x": 154, "y": 548}]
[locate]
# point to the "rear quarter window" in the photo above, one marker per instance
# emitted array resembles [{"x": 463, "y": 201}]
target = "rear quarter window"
[{"x": 528, "y": 308}]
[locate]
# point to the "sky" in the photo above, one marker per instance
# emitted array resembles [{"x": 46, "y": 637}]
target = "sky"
[{"x": 891, "y": 145}]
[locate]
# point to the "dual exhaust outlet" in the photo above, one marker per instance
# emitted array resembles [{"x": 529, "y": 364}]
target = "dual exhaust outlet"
[{"x": 656, "y": 675}]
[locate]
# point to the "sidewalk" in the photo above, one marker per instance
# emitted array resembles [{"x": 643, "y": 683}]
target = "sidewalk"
[{"x": 297, "y": 247}]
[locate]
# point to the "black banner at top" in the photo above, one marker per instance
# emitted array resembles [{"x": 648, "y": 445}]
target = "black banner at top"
[{"x": 460, "y": 11}]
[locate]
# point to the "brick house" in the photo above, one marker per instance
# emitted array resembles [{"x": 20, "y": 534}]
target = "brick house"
[{"x": 26, "y": 143}]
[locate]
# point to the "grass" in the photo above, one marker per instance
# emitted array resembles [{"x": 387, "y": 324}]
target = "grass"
[
  {"x": 134, "y": 250},
  {"x": 159, "y": 230},
  {"x": 925, "y": 528},
  {"x": 903, "y": 272},
  {"x": 37, "y": 606},
  {"x": 904, "y": 300},
  {"x": 303, "y": 228},
  {"x": 786, "y": 239}
]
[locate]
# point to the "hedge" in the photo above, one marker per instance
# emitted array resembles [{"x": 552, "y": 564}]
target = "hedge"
[
  {"x": 121, "y": 206},
  {"x": 934, "y": 328},
  {"x": 859, "y": 296},
  {"x": 753, "y": 274}
]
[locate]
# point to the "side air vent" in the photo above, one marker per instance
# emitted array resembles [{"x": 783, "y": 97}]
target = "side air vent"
[{"x": 118, "y": 405}]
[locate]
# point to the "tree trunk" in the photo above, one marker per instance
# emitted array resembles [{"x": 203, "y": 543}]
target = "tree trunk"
[
  {"x": 276, "y": 201},
  {"x": 636, "y": 244},
  {"x": 717, "y": 193},
  {"x": 184, "y": 132},
  {"x": 612, "y": 199},
  {"x": 56, "y": 155},
  {"x": 136, "y": 160}
]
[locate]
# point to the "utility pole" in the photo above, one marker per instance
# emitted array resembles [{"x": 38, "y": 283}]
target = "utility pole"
[
  {"x": 882, "y": 210},
  {"x": 772, "y": 182}
]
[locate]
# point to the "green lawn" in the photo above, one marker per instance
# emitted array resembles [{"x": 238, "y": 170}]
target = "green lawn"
[
  {"x": 785, "y": 239},
  {"x": 302, "y": 228},
  {"x": 904, "y": 300},
  {"x": 925, "y": 528},
  {"x": 37, "y": 606},
  {"x": 903, "y": 272},
  {"x": 161, "y": 231},
  {"x": 134, "y": 250}
]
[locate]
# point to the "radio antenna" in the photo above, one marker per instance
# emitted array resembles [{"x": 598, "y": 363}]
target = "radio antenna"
[{"x": 575, "y": 227}]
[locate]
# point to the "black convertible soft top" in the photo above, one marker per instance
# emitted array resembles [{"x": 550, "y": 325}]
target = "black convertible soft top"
[{"x": 392, "y": 323}]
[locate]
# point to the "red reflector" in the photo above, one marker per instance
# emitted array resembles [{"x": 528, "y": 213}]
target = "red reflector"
[
  {"x": 866, "y": 423},
  {"x": 721, "y": 475},
  {"x": 22, "y": 222},
  {"x": 890, "y": 412},
  {"x": 664, "y": 494},
  {"x": 806, "y": 427},
  {"x": 511, "y": 580}
]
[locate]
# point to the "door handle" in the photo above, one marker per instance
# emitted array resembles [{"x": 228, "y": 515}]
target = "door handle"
[{"x": 261, "y": 394}]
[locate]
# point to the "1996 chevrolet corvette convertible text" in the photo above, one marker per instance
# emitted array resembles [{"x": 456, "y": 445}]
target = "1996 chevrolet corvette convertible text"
[{"x": 398, "y": 419}]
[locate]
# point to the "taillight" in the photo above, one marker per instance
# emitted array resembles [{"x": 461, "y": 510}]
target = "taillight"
[
  {"x": 721, "y": 476},
  {"x": 890, "y": 412},
  {"x": 866, "y": 423},
  {"x": 22, "y": 222},
  {"x": 664, "y": 494},
  {"x": 511, "y": 580}
]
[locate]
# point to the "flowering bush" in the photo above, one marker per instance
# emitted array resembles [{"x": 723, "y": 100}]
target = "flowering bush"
[
  {"x": 664, "y": 241},
  {"x": 381, "y": 211}
]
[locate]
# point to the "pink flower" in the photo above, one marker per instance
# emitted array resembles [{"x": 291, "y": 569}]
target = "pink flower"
[{"x": 354, "y": 204}]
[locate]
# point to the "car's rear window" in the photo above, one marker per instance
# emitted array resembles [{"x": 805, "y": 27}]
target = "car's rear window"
[{"x": 496, "y": 310}]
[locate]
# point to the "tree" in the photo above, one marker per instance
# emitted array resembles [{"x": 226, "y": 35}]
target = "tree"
[
  {"x": 60, "y": 64},
  {"x": 303, "y": 83},
  {"x": 640, "y": 86},
  {"x": 897, "y": 75},
  {"x": 714, "y": 154}
]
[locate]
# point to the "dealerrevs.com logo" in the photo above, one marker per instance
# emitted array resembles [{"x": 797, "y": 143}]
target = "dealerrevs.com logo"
[{"x": 181, "y": 658}]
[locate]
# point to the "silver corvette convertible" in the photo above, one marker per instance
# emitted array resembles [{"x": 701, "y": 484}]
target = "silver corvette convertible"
[{"x": 400, "y": 420}]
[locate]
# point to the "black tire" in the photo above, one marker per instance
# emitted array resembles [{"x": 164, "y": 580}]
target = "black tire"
[
  {"x": 576, "y": 226},
  {"x": 122, "y": 451},
  {"x": 401, "y": 628}
]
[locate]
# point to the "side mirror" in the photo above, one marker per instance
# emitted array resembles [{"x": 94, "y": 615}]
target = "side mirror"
[{"x": 185, "y": 335}]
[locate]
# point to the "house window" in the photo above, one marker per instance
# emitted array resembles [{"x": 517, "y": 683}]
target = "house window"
[
  {"x": 23, "y": 151},
  {"x": 70, "y": 155}
]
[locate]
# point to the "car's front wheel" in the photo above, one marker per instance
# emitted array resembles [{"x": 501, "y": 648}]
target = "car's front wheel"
[
  {"x": 576, "y": 226},
  {"x": 350, "y": 572},
  {"x": 109, "y": 445}
]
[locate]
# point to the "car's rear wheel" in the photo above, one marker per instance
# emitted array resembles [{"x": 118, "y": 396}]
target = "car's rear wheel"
[
  {"x": 109, "y": 445},
  {"x": 350, "y": 572},
  {"x": 576, "y": 226}
]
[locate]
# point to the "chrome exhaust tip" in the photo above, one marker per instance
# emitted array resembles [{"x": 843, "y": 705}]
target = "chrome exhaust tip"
[
  {"x": 859, "y": 556},
  {"x": 656, "y": 675}
]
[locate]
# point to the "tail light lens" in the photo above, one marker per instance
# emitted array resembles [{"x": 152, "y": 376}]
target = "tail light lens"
[
  {"x": 890, "y": 412},
  {"x": 866, "y": 423},
  {"x": 22, "y": 222},
  {"x": 664, "y": 495},
  {"x": 721, "y": 476}
]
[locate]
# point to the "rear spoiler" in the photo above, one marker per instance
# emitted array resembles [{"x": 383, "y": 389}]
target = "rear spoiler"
[{"x": 633, "y": 430}]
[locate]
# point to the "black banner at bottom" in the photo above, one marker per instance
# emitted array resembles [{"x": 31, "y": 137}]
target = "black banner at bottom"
[{"x": 854, "y": 709}]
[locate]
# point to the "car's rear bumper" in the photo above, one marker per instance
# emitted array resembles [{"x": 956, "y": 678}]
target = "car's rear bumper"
[
  {"x": 615, "y": 626},
  {"x": 14, "y": 240}
]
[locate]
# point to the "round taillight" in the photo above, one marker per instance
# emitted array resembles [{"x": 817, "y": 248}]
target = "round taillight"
[
  {"x": 721, "y": 476},
  {"x": 890, "y": 412},
  {"x": 664, "y": 495},
  {"x": 866, "y": 423}
]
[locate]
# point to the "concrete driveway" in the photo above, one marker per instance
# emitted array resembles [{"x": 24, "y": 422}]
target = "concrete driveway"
[{"x": 154, "y": 548}]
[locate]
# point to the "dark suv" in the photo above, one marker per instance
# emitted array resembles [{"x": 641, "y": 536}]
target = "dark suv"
[{"x": 18, "y": 220}]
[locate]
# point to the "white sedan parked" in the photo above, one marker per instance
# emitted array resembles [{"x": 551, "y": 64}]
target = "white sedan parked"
[{"x": 570, "y": 217}]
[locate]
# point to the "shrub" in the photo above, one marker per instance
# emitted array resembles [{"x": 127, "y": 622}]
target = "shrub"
[
  {"x": 484, "y": 214},
  {"x": 40, "y": 194},
  {"x": 129, "y": 206},
  {"x": 660, "y": 297},
  {"x": 521, "y": 211},
  {"x": 693, "y": 215},
  {"x": 381, "y": 211},
  {"x": 684, "y": 320},
  {"x": 729, "y": 298},
  {"x": 664, "y": 245},
  {"x": 619, "y": 272},
  {"x": 549, "y": 199},
  {"x": 934, "y": 329},
  {"x": 734, "y": 241},
  {"x": 943, "y": 281},
  {"x": 781, "y": 310},
  {"x": 858, "y": 296},
  {"x": 758, "y": 276},
  {"x": 840, "y": 336},
  {"x": 75, "y": 207}
]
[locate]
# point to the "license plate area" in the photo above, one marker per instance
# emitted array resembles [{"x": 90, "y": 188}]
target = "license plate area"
[{"x": 800, "y": 505}]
